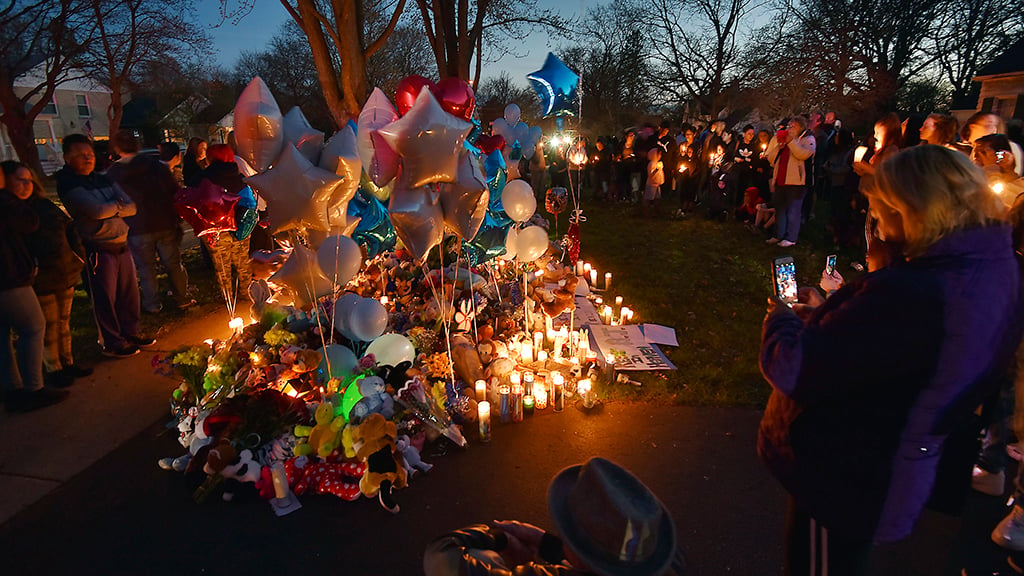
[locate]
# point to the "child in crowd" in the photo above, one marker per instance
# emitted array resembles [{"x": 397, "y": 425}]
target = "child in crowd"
[
  {"x": 655, "y": 178},
  {"x": 747, "y": 212}
]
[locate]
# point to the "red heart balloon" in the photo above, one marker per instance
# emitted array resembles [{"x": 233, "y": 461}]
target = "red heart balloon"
[
  {"x": 407, "y": 91},
  {"x": 456, "y": 97},
  {"x": 488, "y": 144},
  {"x": 208, "y": 208}
]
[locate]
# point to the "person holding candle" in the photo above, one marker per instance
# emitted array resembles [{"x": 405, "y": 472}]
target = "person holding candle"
[
  {"x": 611, "y": 524},
  {"x": 787, "y": 152},
  {"x": 862, "y": 429}
]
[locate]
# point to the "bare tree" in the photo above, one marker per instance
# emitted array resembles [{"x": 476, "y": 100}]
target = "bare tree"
[
  {"x": 458, "y": 30},
  {"x": 971, "y": 33},
  {"x": 39, "y": 41},
  {"x": 494, "y": 94},
  {"x": 696, "y": 46},
  {"x": 335, "y": 30},
  {"x": 130, "y": 33},
  {"x": 405, "y": 53}
]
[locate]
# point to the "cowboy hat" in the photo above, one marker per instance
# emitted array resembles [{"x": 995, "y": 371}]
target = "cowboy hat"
[{"x": 611, "y": 520}]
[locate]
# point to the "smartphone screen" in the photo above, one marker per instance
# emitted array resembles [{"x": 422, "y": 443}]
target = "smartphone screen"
[
  {"x": 784, "y": 276},
  {"x": 830, "y": 264}
]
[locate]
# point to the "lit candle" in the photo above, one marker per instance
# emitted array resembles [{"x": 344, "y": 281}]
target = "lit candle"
[
  {"x": 526, "y": 353},
  {"x": 515, "y": 379},
  {"x": 618, "y": 300},
  {"x": 598, "y": 301},
  {"x": 858, "y": 154},
  {"x": 517, "y": 403},
  {"x": 593, "y": 278},
  {"x": 481, "y": 390},
  {"x": 548, "y": 326},
  {"x": 586, "y": 267},
  {"x": 505, "y": 403},
  {"x": 583, "y": 387},
  {"x": 627, "y": 314},
  {"x": 997, "y": 188},
  {"x": 606, "y": 314},
  {"x": 607, "y": 281},
  {"x": 542, "y": 356},
  {"x": 384, "y": 300},
  {"x": 557, "y": 392},
  {"x": 236, "y": 324},
  {"x": 280, "y": 479},
  {"x": 528, "y": 382},
  {"x": 538, "y": 340},
  {"x": 541, "y": 397},
  {"x": 579, "y": 267},
  {"x": 483, "y": 410},
  {"x": 528, "y": 405}
]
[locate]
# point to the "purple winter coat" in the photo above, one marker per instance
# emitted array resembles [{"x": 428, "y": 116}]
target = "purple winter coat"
[{"x": 867, "y": 391}]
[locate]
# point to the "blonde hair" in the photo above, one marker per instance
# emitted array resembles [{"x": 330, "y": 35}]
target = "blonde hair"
[{"x": 937, "y": 191}]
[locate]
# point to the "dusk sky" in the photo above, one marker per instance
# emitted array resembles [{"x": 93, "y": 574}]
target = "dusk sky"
[{"x": 255, "y": 30}]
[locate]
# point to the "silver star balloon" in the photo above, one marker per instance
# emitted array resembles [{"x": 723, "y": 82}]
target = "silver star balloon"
[
  {"x": 299, "y": 133},
  {"x": 465, "y": 201},
  {"x": 428, "y": 139},
  {"x": 341, "y": 156},
  {"x": 379, "y": 161},
  {"x": 257, "y": 122},
  {"x": 417, "y": 216},
  {"x": 302, "y": 274},
  {"x": 297, "y": 192}
]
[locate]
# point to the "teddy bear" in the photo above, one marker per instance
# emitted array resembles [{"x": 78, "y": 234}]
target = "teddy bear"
[
  {"x": 411, "y": 457},
  {"x": 234, "y": 466},
  {"x": 374, "y": 443},
  {"x": 325, "y": 436},
  {"x": 561, "y": 299},
  {"x": 375, "y": 400}
]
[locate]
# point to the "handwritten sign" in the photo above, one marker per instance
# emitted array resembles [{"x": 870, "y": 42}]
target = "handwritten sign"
[{"x": 632, "y": 351}]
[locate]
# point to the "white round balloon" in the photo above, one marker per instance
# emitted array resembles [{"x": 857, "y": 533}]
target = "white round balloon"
[
  {"x": 518, "y": 200},
  {"x": 342, "y": 310},
  {"x": 339, "y": 258},
  {"x": 368, "y": 319},
  {"x": 338, "y": 362},
  {"x": 512, "y": 113},
  {"x": 531, "y": 243},
  {"x": 392, "y": 350},
  {"x": 510, "y": 244}
]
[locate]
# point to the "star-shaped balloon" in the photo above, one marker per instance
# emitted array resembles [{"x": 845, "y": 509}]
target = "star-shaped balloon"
[
  {"x": 257, "y": 121},
  {"x": 208, "y": 208},
  {"x": 374, "y": 229},
  {"x": 489, "y": 241},
  {"x": 298, "y": 192},
  {"x": 557, "y": 86},
  {"x": 341, "y": 156},
  {"x": 302, "y": 274},
  {"x": 379, "y": 161},
  {"x": 429, "y": 140},
  {"x": 465, "y": 201},
  {"x": 417, "y": 216},
  {"x": 299, "y": 133}
]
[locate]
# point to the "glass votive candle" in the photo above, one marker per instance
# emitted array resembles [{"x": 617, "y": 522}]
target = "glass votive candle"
[
  {"x": 483, "y": 410},
  {"x": 528, "y": 383},
  {"x": 526, "y": 352},
  {"x": 618, "y": 300},
  {"x": 517, "y": 403},
  {"x": 607, "y": 281},
  {"x": 514, "y": 378},
  {"x": 528, "y": 405},
  {"x": 540, "y": 397},
  {"x": 579, "y": 267},
  {"x": 542, "y": 356},
  {"x": 557, "y": 391},
  {"x": 538, "y": 340},
  {"x": 481, "y": 390},
  {"x": 593, "y": 278},
  {"x": 505, "y": 403},
  {"x": 583, "y": 387}
]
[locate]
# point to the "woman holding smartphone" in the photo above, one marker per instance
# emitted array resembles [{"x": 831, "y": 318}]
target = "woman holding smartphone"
[{"x": 874, "y": 390}]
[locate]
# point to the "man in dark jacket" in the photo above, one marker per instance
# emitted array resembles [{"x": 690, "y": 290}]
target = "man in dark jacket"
[
  {"x": 155, "y": 229},
  {"x": 98, "y": 207},
  {"x": 20, "y": 311}
]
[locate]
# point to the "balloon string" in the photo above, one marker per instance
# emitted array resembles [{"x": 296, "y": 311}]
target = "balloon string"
[
  {"x": 472, "y": 295},
  {"x": 494, "y": 277}
]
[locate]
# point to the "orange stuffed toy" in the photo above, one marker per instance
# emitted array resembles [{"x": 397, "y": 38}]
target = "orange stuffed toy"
[{"x": 374, "y": 443}]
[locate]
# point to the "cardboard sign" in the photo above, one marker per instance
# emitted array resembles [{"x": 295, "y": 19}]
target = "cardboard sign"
[{"x": 631, "y": 350}]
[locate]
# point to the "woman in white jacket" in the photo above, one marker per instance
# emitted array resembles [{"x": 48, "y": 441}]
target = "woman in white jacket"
[{"x": 787, "y": 151}]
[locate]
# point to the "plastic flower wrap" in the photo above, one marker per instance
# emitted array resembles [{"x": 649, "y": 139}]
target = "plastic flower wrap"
[
  {"x": 188, "y": 364},
  {"x": 423, "y": 339},
  {"x": 279, "y": 336}
]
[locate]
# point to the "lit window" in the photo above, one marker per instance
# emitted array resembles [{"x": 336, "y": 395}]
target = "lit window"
[{"x": 83, "y": 106}]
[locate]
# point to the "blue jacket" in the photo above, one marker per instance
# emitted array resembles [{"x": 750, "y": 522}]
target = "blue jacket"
[{"x": 867, "y": 391}]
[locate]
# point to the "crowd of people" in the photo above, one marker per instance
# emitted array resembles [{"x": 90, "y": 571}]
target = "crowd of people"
[
  {"x": 771, "y": 177},
  {"x": 118, "y": 227}
]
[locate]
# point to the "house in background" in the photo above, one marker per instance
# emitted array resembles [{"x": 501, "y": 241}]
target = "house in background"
[
  {"x": 1000, "y": 86},
  {"x": 78, "y": 105}
]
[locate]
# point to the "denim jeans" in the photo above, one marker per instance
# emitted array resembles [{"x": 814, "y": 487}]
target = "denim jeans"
[
  {"x": 21, "y": 366},
  {"x": 145, "y": 249},
  {"x": 57, "y": 341},
  {"x": 788, "y": 203}
]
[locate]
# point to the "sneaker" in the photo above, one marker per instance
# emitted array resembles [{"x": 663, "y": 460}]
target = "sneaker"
[
  {"x": 141, "y": 341},
  {"x": 123, "y": 351},
  {"x": 186, "y": 305},
  {"x": 772, "y": 241},
  {"x": 993, "y": 484},
  {"x": 786, "y": 243},
  {"x": 25, "y": 401},
  {"x": 1009, "y": 533}
]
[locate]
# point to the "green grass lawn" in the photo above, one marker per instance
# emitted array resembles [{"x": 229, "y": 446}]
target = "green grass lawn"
[{"x": 707, "y": 279}]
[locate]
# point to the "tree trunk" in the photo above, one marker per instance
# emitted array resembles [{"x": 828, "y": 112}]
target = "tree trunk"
[
  {"x": 115, "y": 112},
  {"x": 326, "y": 73}
]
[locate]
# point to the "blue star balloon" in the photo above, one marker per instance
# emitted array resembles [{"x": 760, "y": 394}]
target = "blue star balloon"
[
  {"x": 557, "y": 86},
  {"x": 489, "y": 241},
  {"x": 375, "y": 229},
  {"x": 246, "y": 216}
]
